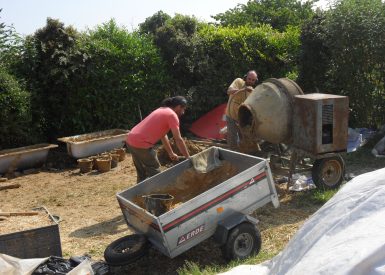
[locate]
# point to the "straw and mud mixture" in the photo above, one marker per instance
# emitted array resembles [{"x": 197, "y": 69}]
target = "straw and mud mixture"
[
  {"x": 12, "y": 224},
  {"x": 192, "y": 183}
]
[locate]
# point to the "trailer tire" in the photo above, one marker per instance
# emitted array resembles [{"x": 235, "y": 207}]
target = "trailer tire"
[
  {"x": 243, "y": 240},
  {"x": 125, "y": 250},
  {"x": 328, "y": 173}
]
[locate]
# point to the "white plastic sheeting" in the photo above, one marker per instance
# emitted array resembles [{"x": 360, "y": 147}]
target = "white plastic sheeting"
[
  {"x": 345, "y": 236},
  {"x": 14, "y": 266}
]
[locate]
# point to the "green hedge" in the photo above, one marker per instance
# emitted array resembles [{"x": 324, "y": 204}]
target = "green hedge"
[
  {"x": 232, "y": 52},
  {"x": 14, "y": 112},
  {"x": 349, "y": 42},
  {"x": 124, "y": 77},
  {"x": 204, "y": 59},
  {"x": 50, "y": 64},
  {"x": 108, "y": 77},
  {"x": 91, "y": 81}
]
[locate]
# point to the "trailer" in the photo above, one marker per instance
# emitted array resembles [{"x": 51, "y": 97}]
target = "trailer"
[{"x": 220, "y": 208}]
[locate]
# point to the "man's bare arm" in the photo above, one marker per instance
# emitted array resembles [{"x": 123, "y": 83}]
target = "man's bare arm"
[
  {"x": 167, "y": 147},
  {"x": 180, "y": 142}
]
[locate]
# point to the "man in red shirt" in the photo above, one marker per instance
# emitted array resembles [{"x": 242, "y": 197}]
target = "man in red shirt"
[{"x": 150, "y": 130}]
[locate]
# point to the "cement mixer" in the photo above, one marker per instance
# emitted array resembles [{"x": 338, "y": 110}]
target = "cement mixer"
[{"x": 313, "y": 126}]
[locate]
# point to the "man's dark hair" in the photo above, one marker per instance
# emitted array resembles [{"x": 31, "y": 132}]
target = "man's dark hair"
[{"x": 174, "y": 101}]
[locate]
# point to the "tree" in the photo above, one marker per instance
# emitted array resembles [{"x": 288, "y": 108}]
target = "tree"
[
  {"x": 277, "y": 13},
  {"x": 124, "y": 76},
  {"x": 152, "y": 23},
  {"x": 342, "y": 53},
  {"x": 51, "y": 63},
  {"x": 356, "y": 35},
  {"x": 14, "y": 112},
  {"x": 314, "y": 55},
  {"x": 179, "y": 45},
  {"x": 10, "y": 45}
]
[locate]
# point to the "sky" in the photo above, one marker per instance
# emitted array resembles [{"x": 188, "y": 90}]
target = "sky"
[{"x": 29, "y": 15}]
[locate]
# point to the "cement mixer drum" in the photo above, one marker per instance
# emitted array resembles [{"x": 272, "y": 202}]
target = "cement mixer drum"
[{"x": 268, "y": 110}]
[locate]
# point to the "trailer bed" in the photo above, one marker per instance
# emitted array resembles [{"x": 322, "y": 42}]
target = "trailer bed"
[{"x": 243, "y": 186}]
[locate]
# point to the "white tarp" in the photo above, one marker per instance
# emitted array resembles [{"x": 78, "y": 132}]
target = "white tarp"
[
  {"x": 14, "y": 266},
  {"x": 345, "y": 236}
]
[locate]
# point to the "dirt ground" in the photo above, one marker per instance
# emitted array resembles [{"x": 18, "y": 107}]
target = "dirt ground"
[{"x": 91, "y": 217}]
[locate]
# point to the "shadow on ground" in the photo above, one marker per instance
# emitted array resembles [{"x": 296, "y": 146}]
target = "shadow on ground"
[
  {"x": 207, "y": 253},
  {"x": 105, "y": 227}
]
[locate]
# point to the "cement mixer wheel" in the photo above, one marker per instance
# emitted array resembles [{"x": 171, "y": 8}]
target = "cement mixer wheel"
[{"x": 328, "y": 173}]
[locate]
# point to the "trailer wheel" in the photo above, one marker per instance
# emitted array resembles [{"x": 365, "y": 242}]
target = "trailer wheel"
[
  {"x": 244, "y": 240},
  {"x": 328, "y": 173},
  {"x": 125, "y": 250}
]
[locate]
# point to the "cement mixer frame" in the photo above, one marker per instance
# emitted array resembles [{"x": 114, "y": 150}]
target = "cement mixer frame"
[
  {"x": 313, "y": 126},
  {"x": 327, "y": 170}
]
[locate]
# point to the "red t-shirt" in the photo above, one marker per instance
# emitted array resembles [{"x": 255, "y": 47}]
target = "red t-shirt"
[{"x": 151, "y": 129}]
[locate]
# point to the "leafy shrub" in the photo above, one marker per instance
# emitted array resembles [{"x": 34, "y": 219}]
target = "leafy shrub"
[
  {"x": 203, "y": 59},
  {"x": 10, "y": 45},
  {"x": 124, "y": 79},
  {"x": 51, "y": 63},
  {"x": 350, "y": 41},
  {"x": 14, "y": 112},
  {"x": 276, "y": 13},
  {"x": 230, "y": 52},
  {"x": 98, "y": 80},
  {"x": 314, "y": 55}
]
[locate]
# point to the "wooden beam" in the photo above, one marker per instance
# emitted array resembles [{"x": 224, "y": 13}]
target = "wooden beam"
[
  {"x": 9, "y": 186},
  {"x": 18, "y": 213}
]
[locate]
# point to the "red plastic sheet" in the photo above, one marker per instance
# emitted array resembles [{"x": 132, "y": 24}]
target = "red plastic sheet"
[{"x": 209, "y": 125}]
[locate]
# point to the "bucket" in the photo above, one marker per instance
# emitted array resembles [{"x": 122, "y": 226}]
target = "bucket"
[
  {"x": 103, "y": 164},
  {"x": 85, "y": 165},
  {"x": 114, "y": 160},
  {"x": 157, "y": 204}
]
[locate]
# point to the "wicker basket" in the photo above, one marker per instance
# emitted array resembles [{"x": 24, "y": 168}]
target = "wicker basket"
[
  {"x": 114, "y": 160},
  {"x": 85, "y": 165},
  {"x": 105, "y": 155},
  {"x": 103, "y": 164},
  {"x": 121, "y": 152}
]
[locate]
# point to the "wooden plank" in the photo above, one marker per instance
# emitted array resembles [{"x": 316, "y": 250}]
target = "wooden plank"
[
  {"x": 10, "y": 186},
  {"x": 18, "y": 213}
]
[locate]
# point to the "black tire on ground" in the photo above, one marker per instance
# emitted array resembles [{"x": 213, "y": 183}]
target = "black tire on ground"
[
  {"x": 243, "y": 240},
  {"x": 328, "y": 173},
  {"x": 125, "y": 250}
]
